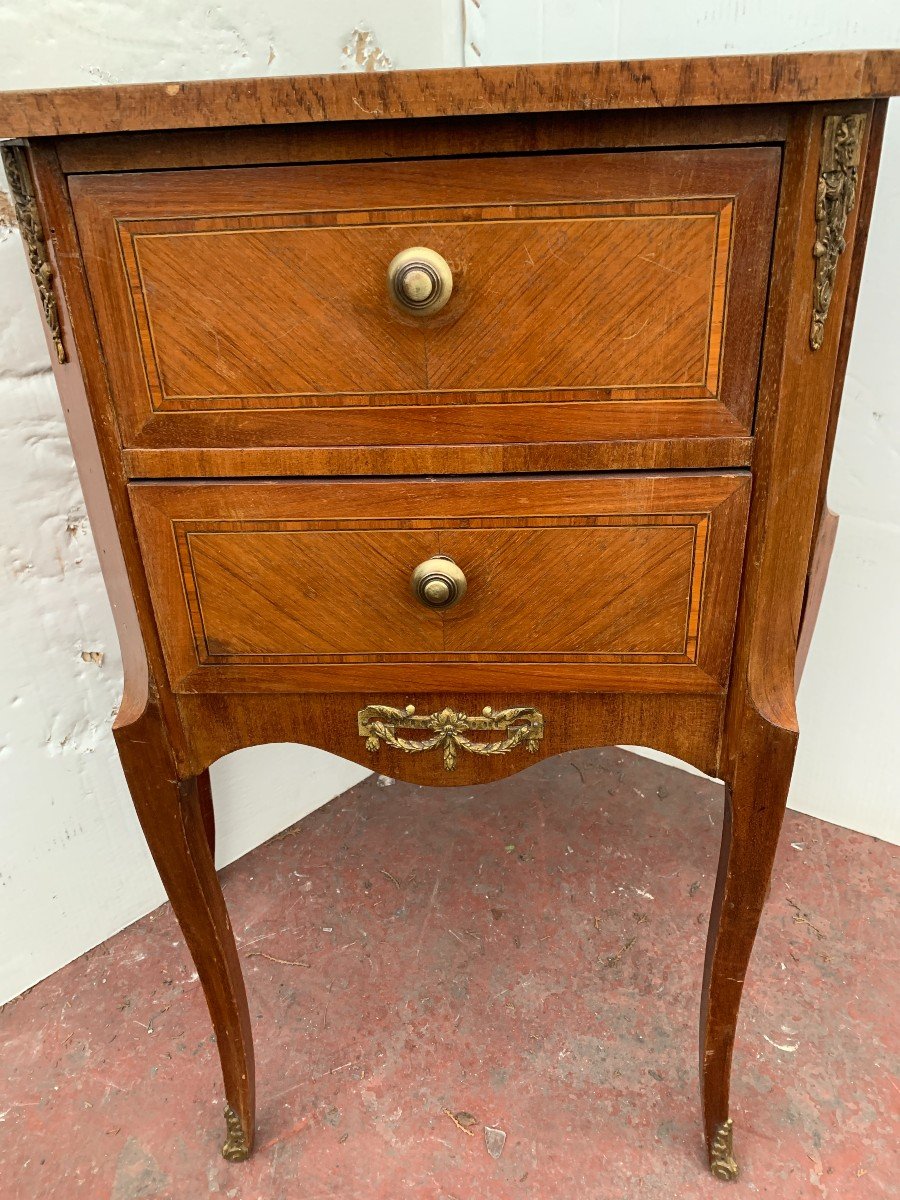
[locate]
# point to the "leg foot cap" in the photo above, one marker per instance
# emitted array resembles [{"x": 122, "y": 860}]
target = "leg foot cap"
[
  {"x": 237, "y": 1145},
  {"x": 721, "y": 1152}
]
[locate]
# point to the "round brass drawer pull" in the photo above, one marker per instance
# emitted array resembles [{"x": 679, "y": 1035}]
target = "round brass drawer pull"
[
  {"x": 420, "y": 280},
  {"x": 438, "y": 582}
]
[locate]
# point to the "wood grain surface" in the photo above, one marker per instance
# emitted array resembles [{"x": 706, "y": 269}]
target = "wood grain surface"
[
  {"x": 424, "y": 137},
  {"x": 595, "y": 582},
  {"x": 650, "y": 453},
  {"x": 266, "y": 609},
  {"x": 639, "y": 83},
  {"x": 592, "y": 289}
]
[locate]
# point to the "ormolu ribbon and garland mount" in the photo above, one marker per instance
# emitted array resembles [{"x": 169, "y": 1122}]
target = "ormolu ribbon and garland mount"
[{"x": 450, "y": 730}]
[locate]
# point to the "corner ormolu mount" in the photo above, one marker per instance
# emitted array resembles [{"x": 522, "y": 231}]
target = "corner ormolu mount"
[
  {"x": 22, "y": 190},
  {"x": 835, "y": 197}
]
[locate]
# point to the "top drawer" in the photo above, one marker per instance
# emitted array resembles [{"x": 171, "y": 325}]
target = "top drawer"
[{"x": 595, "y": 296}]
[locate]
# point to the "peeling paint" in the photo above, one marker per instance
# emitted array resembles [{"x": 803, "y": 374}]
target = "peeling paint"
[
  {"x": 361, "y": 52},
  {"x": 77, "y": 525},
  {"x": 7, "y": 213}
]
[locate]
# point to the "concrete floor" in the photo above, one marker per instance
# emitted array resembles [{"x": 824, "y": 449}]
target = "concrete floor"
[{"x": 525, "y": 957}]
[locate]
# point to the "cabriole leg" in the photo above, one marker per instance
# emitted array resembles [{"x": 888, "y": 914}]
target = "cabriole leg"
[
  {"x": 754, "y": 809},
  {"x": 171, "y": 815}
]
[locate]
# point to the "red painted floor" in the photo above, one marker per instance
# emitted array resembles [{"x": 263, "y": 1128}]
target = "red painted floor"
[{"x": 527, "y": 957}]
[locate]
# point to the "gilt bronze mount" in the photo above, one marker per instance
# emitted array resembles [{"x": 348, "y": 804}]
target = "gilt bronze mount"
[
  {"x": 835, "y": 197},
  {"x": 450, "y": 730},
  {"x": 29, "y": 222}
]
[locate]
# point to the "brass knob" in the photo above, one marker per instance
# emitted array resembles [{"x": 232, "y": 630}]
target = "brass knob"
[
  {"x": 438, "y": 582},
  {"x": 420, "y": 280}
]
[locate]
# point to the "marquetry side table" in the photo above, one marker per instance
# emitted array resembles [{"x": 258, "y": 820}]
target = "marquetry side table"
[{"x": 445, "y": 420}]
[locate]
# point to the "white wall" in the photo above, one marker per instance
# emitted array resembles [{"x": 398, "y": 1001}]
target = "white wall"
[{"x": 73, "y": 868}]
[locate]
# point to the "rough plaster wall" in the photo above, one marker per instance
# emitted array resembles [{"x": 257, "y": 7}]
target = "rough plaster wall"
[{"x": 73, "y": 865}]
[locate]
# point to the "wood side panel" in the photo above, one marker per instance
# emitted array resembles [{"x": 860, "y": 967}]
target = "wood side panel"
[
  {"x": 565, "y": 295},
  {"x": 826, "y": 521},
  {"x": 818, "y": 570},
  {"x": 796, "y": 387},
  {"x": 598, "y": 581},
  {"x": 638, "y": 83},
  {"x": 826, "y": 536},
  {"x": 90, "y": 422}
]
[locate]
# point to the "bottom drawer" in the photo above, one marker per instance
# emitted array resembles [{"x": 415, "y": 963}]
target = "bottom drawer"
[{"x": 614, "y": 582}]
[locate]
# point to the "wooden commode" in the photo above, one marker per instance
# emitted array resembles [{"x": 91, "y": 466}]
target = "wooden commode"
[{"x": 446, "y": 420}]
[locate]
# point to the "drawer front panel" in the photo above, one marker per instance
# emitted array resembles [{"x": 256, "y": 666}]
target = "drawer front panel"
[
  {"x": 604, "y": 581},
  {"x": 615, "y": 295}
]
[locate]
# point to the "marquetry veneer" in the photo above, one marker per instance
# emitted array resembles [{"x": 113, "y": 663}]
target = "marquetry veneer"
[
  {"x": 589, "y": 291},
  {"x": 490, "y": 430}
]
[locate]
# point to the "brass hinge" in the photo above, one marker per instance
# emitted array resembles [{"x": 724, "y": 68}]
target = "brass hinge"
[
  {"x": 22, "y": 189},
  {"x": 835, "y": 196}
]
